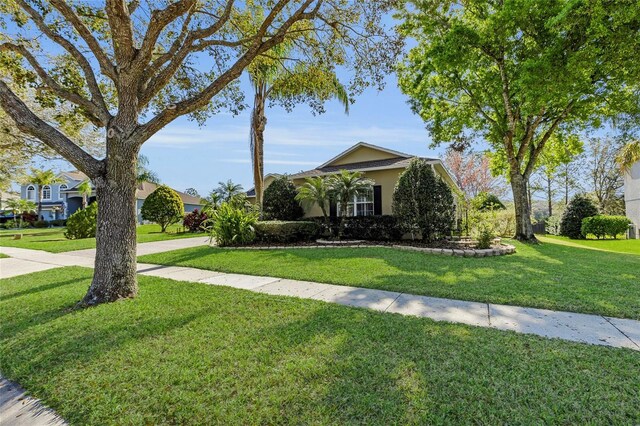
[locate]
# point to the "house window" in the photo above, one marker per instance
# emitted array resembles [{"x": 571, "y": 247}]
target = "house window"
[
  {"x": 46, "y": 192},
  {"x": 362, "y": 205},
  {"x": 62, "y": 187},
  {"x": 31, "y": 192}
]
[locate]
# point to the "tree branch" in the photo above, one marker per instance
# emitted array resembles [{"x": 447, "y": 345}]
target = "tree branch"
[
  {"x": 87, "y": 69},
  {"x": 29, "y": 123},
  {"x": 106, "y": 66},
  {"x": 144, "y": 132},
  {"x": 121, "y": 31},
  {"x": 94, "y": 113}
]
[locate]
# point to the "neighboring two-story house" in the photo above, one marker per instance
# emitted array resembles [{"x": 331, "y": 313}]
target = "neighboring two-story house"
[{"x": 61, "y": 200}]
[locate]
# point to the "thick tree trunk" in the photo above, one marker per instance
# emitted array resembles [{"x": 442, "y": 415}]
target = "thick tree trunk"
[
  {"x": 524, "y": 228},
  {"x": 114, "y": 277}
]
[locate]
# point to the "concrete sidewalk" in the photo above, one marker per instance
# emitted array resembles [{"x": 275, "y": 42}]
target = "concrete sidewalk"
[
  {"x": 592, "y": 329},
  {"x": 19, "y": 409}
]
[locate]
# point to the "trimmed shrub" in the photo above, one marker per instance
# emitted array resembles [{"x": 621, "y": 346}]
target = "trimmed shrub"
[
  {"x": 58, "y": 222},
  {"x": 602, "y": 226},
  {"x": 195, "y": 220},
  {"x": 276, "y": 231},
  {"x": 487, "y": 202},
  {"x": 423, "y": 202},
  {"x": 82, "y": 224},
  {"x": 279, "y": 201},
  {"x": 229, "y": 226},
  {"x": 40, "y": 224},
  {"x": 163, "y": 206},
  {"x": 373, "y": 228},
  {"x": 579, "y": 208}
]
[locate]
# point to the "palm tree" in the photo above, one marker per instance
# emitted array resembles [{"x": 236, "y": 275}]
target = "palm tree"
[
  {"x": 17, "y": 205},
  {"x": 316, "y": 190},
  {"x": 271, "y": 80},
  {"x": 144, "y": 174},
  {"x": 42, "y": 178},
  {"x": 345, "y": 186},
  {"x": 628, "y": 156},
  {"x": 227, "y": 190},
  {"x": 85, "y": 191}
]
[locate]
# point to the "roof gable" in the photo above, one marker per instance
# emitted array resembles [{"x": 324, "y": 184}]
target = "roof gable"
[{"x": 363, "y": 152}]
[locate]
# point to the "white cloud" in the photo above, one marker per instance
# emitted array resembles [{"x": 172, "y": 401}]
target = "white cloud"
[{"x": 292, "y": 135}]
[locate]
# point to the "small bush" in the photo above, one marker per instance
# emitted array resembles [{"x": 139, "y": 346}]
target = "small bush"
[
  {"x": 82, "y": 224},
  {"x": 194, "y": 221},
  {"x": 275, "y": 231},
  {"x": 229, "y": 226},
  {"x": 579, "y": 208},
  {"x": 40, "y": 224},
  {"x": 552, "y": 225},
  {"x": 602, "y": 226},
  {"x": 163, "y": 206},
  {"x": 279, "y": 202},
  {"x": 484, "y": 235},
  {"x": 373, "y": 228},
  {"x": 28, "y": 218},
  {"x": 58, "y": 222}
]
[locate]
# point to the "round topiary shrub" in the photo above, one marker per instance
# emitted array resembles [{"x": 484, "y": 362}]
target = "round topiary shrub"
[
  {"x": 579, "y": 208},
  {"x": 279, "y": 201},
  {"x": 163, "y": 206},
  {"x": 82, "y": 224}
]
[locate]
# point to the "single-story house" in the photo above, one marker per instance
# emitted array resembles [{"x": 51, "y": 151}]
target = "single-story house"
[
  {"x": 632, "y": 197},
  {"x": 382, "y": 165},
  {"x": 61, "y": 200}
]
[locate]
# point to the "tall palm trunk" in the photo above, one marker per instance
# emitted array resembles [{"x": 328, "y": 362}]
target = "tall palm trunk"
[{"x": 258, "y": 124}]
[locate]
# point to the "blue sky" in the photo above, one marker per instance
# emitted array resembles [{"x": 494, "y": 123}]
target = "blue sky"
[{"x": 185, "y": 155}]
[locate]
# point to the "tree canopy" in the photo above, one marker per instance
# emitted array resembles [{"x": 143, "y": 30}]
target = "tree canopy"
[{"x": 513, "y": 73}]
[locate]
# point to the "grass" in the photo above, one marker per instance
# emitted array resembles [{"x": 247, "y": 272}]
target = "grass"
[
  {"x": 53, "y": 240},
  {"x": 548, "y": 275},
  {"x": 3, "y": 256},
  {"x": 193, "y": 354},
  {"x": 616, "y": 246}
]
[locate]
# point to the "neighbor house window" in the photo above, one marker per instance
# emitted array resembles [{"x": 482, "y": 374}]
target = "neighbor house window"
[
  {"x": 362, "y": 205},
  {"x": 62, "y": 187},
  {"x": 46, "y": 192},
  {"x": 31, "y": 192}
]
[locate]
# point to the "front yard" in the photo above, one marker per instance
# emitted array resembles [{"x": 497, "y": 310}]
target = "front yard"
[
  {"x": 193, "y": 354},
  {"x": 53, "y": 240},
  {"x": 549, "y": 275}
]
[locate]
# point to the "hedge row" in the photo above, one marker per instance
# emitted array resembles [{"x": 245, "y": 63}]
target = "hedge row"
[
  {"x": 605, "y": 226},
  {"x": 278, "y": 231},
  {"x": 374, "y": 228}
]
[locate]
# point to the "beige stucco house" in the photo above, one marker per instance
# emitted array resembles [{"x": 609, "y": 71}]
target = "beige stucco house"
[
  {"x": 632, "y": 197},
  {"x": 382, "y": 165}
]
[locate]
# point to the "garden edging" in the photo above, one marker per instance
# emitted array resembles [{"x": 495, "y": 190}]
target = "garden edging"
[{"x": 498, "y": 251}]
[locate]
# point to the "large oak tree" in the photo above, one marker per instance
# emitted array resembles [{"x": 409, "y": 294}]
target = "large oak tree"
[
  {"x": 132, "y": 67},
  {"x": 515, "y": 72}
]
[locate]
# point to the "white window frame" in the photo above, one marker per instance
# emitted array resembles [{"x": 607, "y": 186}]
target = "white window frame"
[
  {"x": 44, "y": 196},
  {"x": 358, "y": 207},
  {"x": 61, "y": 188},
  {"x": 31, "y": 193}
]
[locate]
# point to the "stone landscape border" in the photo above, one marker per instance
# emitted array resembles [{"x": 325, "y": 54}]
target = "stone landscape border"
[{"x": 502, "y": 250}]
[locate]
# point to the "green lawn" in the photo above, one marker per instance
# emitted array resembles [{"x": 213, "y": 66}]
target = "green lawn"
[
  {"x": 3, "y": 256},
  {"x": 548, "y": 275},
  {"x": 193, "y": 354},
  {"x": 53, "y": 240},
  {"x": 617, "y": 246}
]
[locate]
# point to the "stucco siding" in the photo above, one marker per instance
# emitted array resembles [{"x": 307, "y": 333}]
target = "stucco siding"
[
  {"x": 362, "y": 154},
  {"x": 632, "y": 196}
]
